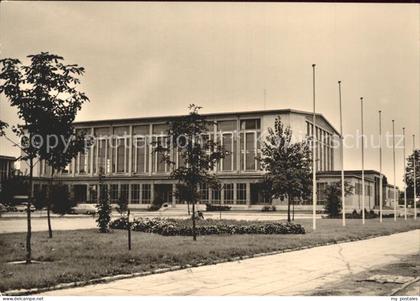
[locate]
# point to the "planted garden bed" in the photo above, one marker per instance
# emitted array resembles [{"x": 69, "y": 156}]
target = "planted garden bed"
[{"x": 173, "y": 227}]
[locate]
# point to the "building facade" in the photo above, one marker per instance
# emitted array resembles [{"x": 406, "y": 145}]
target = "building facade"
[
  {"x": 354, "y": 178},
  {"x": 123, "y": 153}
]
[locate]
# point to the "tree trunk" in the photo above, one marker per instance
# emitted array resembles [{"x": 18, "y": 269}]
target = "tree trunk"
[
  {"x": 193, "y": 221},
  {"x": 288, "y": 208},
  {"x": 50, "y": 235},
  {"x": 28, "y": 213},
  {"x": 293, "y": 210},
  {"x": 188, "y": 207}
]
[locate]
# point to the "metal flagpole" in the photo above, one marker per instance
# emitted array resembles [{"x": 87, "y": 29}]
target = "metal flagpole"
[
  {"x": 314, "y": 192},
  {"x": 343, "y": 200},
  {"x": 393, "y": 157},
  {"x": 380, "y": 168},
  {"x": 363, "y": 164},
  {"x": 405, "y": 179},
  {"x": 414, "y": 176}
]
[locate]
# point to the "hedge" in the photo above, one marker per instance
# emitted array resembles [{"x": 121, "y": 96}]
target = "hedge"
[{"x": 169, "y": 227}]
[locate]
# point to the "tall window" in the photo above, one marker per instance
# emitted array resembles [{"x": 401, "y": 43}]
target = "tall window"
[
  {"x": 226, "y": 130},
  {"x": 120, "y": 149},
  {"x": 241, "y": 193},
  {"x": 141, "y": 148},
  {"x": 250, "y": 131},
  {"x": 158, "y": 162},
  {"x": 228, "y": 193}
]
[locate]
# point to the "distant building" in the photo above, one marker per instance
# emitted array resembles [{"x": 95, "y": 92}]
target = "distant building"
[
  {"x": 132, "y": 169},
  {"x": 354, "y": 178}
]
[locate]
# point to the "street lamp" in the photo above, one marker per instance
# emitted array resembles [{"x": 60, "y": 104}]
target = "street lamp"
[{"x": 314, "y": 200}]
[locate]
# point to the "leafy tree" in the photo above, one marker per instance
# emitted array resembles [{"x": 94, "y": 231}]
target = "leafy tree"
[
  {"x": 410, "y": 174},
  {"x": 55, "y": 85},
  {"x": 103, "y": 208},
  {"x": 334, "y": 205},
  {"x": 287, "y": 164},
  {"x": 189, "y": 136},
  {"x": 17, "y": 84}
]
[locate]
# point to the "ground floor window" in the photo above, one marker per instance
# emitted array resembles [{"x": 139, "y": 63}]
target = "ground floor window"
[
  {"x": 93, "y": 193},
  {"x": 216, "y": 195},
  {"x": 113, "y": 193},
  {"x": 241, "y": 193},
  {"x": 135, "y": 193},
  {"x": 228, "y": 193},
  {"x": 146, "y": 194},
  {"x": 124, "y": 192}
]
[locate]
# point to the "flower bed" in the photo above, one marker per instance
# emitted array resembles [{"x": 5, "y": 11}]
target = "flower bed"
[{"x": 171, "y": 227}]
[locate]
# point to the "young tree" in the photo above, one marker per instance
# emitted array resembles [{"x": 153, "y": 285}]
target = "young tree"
[
  {"x": 287, "y": 164},
  {"x": 410, "y": 174},
  {"x": 56, "y": 87},
  {"x": 189, "y": 136},
  {"x": 334, "y": 205},
  {"x": 18, "y": 87},
  {"x": 103, "y": 207}
]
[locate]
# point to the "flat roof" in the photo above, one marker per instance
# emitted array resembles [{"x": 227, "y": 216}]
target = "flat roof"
[{"x": 151, "y": 118}]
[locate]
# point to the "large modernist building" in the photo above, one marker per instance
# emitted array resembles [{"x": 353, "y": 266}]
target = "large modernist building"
[{"x": 123, "y": 155}]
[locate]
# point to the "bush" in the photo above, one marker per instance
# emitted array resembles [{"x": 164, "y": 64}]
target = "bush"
[
  {"x": 211, "y": 207},
  {"x": 168, "y": 227}
]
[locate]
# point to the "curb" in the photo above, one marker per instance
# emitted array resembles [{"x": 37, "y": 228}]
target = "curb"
[
  {"x": 396, "y": 291},
  {"x": 33, "y": 291}
]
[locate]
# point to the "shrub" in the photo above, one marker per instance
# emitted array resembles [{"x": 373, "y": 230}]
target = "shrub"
[
  {"x": 168, "y": 227},
  {"x": 211, "y": 207}
]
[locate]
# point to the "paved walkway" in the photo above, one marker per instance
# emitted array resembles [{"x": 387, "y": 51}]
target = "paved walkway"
[
  {"x": 291, "y": 273},
  {"x": 14, "y": 225}
]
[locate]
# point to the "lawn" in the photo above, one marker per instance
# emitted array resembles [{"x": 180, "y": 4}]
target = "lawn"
[{"x": 85, "y": 254}]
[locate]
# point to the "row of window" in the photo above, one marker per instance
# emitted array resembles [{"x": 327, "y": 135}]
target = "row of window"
[
  {"x": 324, "y": 147},
  {"x": 142, "y": 193},
  {"x": 112, "y": 155}
]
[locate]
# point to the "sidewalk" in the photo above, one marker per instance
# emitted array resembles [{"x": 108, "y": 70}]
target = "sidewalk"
[{"x": 291, "y": 273}]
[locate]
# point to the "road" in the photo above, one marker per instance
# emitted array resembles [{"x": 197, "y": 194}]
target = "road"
[{"x": 293, "y": 273}]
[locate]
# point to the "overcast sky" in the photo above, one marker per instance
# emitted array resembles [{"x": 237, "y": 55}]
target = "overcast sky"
[{"x": 145, "y": 59}]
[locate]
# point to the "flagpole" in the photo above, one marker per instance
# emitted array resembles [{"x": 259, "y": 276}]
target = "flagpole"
[
  {"x": 343, "y": 200},
  {"x": 414, "y": 176},
  {"x": 393, "y": 157},
  {"x": 314, "y": 192},
  {"x": 405, "y": 179},
  {"x": 380, "y": 168},
  {"x": 363, "y": 164}
]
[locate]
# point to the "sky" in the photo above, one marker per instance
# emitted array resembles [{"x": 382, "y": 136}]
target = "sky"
[{"x": 148, "y": 59}]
